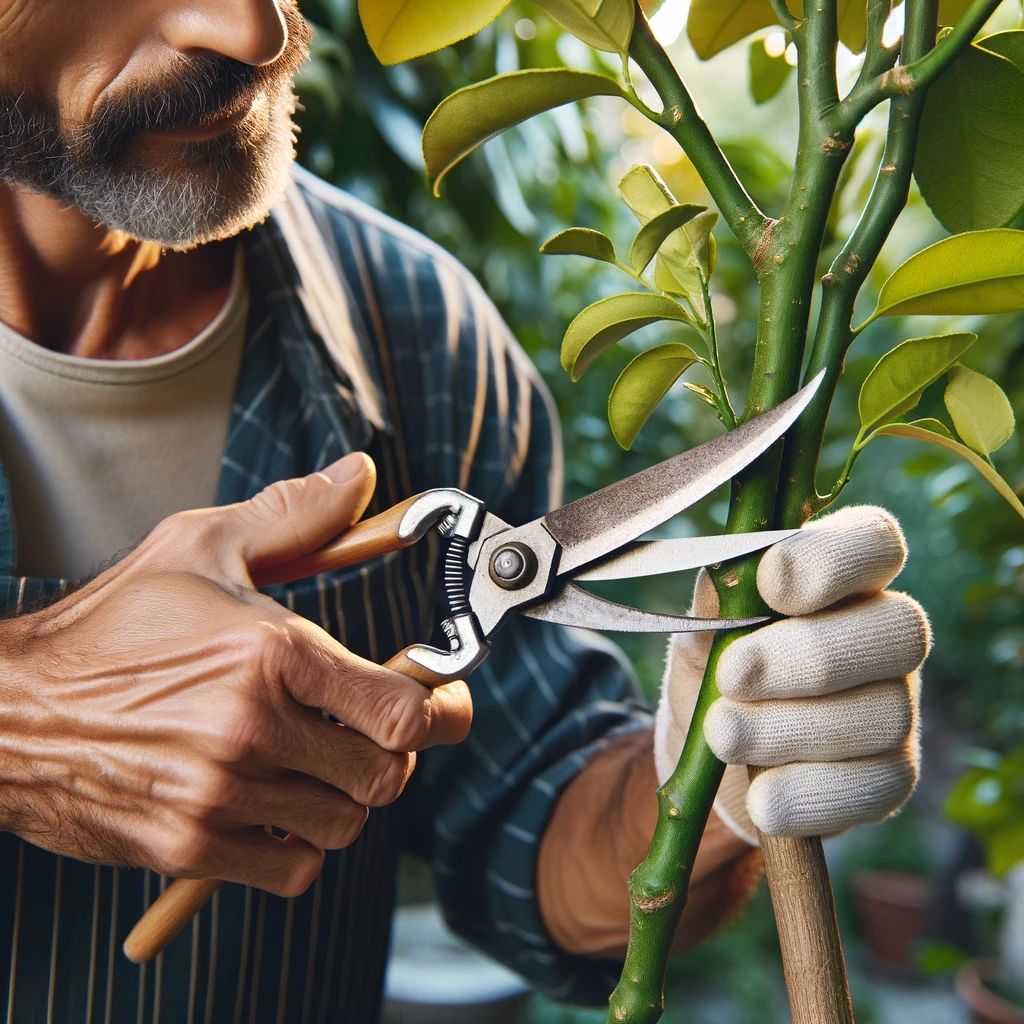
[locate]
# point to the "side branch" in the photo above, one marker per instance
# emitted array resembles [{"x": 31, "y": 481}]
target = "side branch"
[
  {"x": 683, "y": 122},
  {"x": 846, "y": 276},
  {"x": 915, "y": 76}
]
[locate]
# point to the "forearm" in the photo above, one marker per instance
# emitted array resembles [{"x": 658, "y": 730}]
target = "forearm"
[{"x": 599, "y": 832}]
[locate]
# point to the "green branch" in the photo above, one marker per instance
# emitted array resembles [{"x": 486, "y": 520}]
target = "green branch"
[
  {"x": 785, "y": 260},
  {"x": 913, "y": 76},
  {"x": 681, "y": 119},
  {"x": 878, "y": 58},
  {"x": 846, "y": 276}
]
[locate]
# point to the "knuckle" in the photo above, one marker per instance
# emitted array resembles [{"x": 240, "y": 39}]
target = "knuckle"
[
  {"x": 389, "y": 780},
  {"x": 269, "y": 639},
  {"x": 345, "y": 827},
  {"x": 183, "y": 530},
  {"x": 406, "y": 723},
  {"x": 294, "y": 885},
  {"x": 213, "y": 792},
  {"x": 242, "y": 733},
  {"x": 186, "y": 850}
]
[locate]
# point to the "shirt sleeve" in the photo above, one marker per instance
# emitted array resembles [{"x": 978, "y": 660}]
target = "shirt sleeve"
[{"x": 545, "y": 701}]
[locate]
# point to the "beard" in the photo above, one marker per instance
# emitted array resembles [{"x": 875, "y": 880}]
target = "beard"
[{"x": 178, "y": 193}]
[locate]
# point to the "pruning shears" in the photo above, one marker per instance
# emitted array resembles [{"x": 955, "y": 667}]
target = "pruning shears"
[{"x": 492, "y": 569}]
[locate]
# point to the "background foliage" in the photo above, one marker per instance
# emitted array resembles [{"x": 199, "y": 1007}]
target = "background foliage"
[{"x": 361, "y": 127}]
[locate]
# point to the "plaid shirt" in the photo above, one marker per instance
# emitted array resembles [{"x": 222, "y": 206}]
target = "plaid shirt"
[{"x": 362, "y": 336}]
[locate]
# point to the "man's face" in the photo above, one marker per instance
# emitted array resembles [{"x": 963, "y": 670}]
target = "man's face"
[{"x": 170, "y": 120}]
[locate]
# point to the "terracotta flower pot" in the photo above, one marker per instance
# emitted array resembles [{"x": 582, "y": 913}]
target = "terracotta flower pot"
[
  {"x": 891, "y": 910},
  {"x": 986, "y": 1006}
]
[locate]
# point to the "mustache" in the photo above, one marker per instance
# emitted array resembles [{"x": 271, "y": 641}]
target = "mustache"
[{"x": 201, "y": 91}]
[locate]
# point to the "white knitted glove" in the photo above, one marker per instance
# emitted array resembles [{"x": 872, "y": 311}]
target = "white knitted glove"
[{"x": 826, "y": 700}]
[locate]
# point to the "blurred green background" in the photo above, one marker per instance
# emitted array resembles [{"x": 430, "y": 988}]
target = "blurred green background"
[{"x": 360, "y": 129}]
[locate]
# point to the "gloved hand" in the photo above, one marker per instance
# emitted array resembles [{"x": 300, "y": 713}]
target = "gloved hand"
[{"x": 826, "y": 700}]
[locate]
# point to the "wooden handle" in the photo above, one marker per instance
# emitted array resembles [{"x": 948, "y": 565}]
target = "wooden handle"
[
  {"x": 365, "y": 540},
  {"x": 185, "y": 897},
  {"x": 805, "y": 916},
  {"x": 165, "y": 917}
]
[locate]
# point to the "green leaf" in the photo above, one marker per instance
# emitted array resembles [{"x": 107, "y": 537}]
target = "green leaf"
[
  {"x": 971, "y": 143},
  {"x": 940, "y": 958},
  {"x": 656, "y": 231},
  {"x": 767, "y": 74},
  {"x": 976, "y": 272},
  {"x": 1005, "y": 848},
  {"x": 713, "y": 25},
  {"x": 642, "y": 385},
  {"x": 645, "y": 192},
  {"x": 919, "y": 433},
  {"x": 981, "y": 412},
  {"x": 951, "y": 11},
  {"x": 664, "y": 280},
  {"x": 604, "y": 24},
  {"x": 468, "y": 118},
  {"x": 1007, "y": 44},
  {"x": 605, "y": 323},
  {"x": 934, "y": 425},
  {"x": 581, "y": 242},
  {"x": 980, "y": 799},
  {"x": 402, "y": 29},
  {"x": 705, "y": 250},
  {"x": 688, "y": 254},
  {"x": 706, "y": 395},
  {"x": 896, "y": 381}
]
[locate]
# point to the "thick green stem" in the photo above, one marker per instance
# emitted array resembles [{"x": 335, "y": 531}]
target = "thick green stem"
[
  {"x": 785, "y": 259},
  {"x": 681, "y": 119},
  {"x": 658, "y": 887}
]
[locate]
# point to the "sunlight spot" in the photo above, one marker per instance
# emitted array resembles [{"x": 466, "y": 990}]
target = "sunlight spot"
[
  {"x": 669, "y": 22},
  {"x": 775, "y": 43}
]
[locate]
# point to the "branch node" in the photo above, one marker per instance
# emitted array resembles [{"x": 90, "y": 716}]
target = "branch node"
[
  {"x": 897, "y": 81},
  {"x": 656, "y": 902},
  {"x": 835, "y": 145},
  {"x": 763, "y": 243}
]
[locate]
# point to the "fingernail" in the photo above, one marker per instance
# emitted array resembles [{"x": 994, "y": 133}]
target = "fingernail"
[{"x": 350, "y": 468}]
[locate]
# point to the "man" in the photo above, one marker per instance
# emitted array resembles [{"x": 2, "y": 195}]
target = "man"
[{"x": 169, "y": 376}]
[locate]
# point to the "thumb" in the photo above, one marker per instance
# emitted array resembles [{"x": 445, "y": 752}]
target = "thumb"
[{"x": 291, "y": 518}]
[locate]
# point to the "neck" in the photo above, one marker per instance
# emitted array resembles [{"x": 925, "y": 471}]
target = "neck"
[{"x": 73, "y": 286}]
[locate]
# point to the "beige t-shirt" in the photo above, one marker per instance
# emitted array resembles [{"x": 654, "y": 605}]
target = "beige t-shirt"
[{"x": 98, "y": 451}]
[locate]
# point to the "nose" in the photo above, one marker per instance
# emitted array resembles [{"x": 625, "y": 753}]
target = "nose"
[{"x": 250, "y": 31}]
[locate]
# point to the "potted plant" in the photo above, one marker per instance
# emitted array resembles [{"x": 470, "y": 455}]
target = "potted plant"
[
  {"x": 892, "y": 891},
  {"x": 988, "y": 800}
]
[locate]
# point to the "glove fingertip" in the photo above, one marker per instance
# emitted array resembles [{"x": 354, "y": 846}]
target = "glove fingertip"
[{"x": 857, "y": 550}]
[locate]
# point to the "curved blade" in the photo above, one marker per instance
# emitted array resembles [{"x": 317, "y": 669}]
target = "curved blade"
[
  {"x": 608, "y": 519},
  {"x": 575, "y": 606},
  {"x": 653, "y": 557}
]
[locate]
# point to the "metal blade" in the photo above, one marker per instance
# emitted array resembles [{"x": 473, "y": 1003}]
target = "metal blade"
[
  {"x": 608, "y": 519},
  {"x": 653, "y": 557},
  {"x": 575, "y": 606}
]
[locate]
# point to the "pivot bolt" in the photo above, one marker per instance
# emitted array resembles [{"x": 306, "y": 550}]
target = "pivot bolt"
[{"x": 513, "y": 566}]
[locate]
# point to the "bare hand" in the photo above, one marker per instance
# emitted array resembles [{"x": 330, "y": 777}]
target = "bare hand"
[{"x": 164, "y": 713}]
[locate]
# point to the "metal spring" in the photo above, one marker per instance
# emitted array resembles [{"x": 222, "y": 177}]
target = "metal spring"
[
  {"x": 454, "y": 575},
  {"x": 447, "y": 524}
]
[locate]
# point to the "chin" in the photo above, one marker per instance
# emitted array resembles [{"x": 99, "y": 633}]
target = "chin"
[{"x": 181, "y": 194}]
